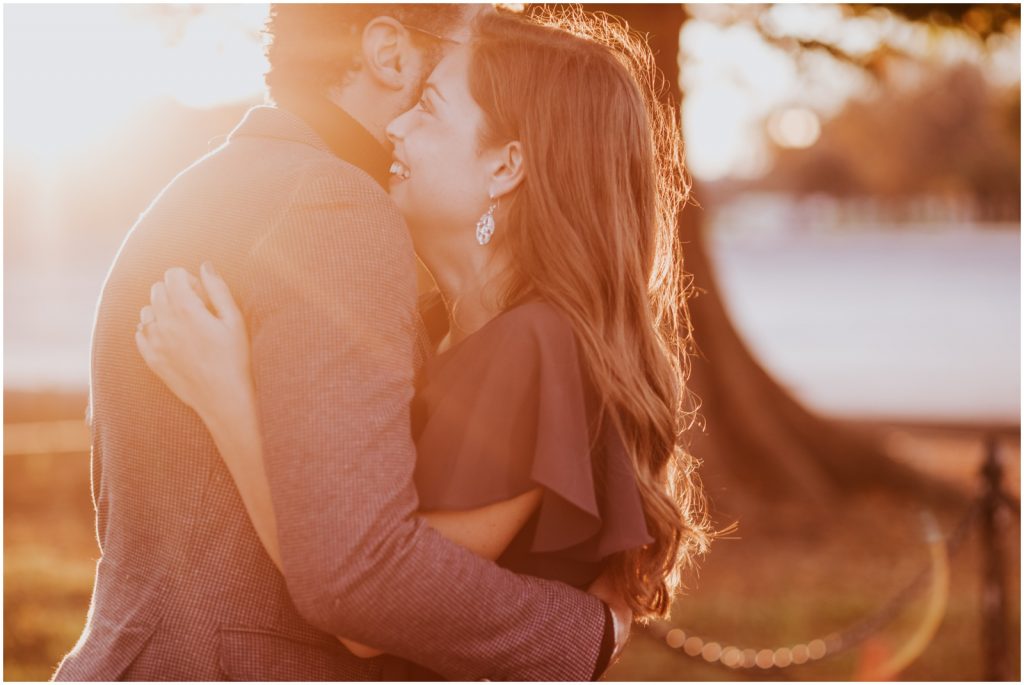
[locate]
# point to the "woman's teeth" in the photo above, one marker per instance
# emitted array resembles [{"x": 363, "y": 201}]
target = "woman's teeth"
[{"x": 399, "y": 169}]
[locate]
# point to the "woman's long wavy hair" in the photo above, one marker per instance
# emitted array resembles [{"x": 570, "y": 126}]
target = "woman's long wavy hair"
[{"x": 592, "y": 229}]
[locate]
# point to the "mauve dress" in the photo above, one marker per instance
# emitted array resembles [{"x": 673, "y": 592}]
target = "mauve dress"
[{"x": 508, "y": 409}]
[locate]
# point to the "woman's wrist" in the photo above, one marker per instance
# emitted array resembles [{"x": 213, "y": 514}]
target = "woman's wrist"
[{"x": 225, "y": 413}]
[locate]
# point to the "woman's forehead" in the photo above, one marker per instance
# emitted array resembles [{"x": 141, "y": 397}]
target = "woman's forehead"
[{"x": 450, "y": 72}]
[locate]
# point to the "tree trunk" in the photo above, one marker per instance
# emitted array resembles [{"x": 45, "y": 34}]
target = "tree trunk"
[{"x": 760, "y": 447}]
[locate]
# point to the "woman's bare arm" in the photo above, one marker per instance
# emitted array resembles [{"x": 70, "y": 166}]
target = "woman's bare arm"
[
  {"x": 204, "y": 360},
  {"x": 486, "y": 531}
]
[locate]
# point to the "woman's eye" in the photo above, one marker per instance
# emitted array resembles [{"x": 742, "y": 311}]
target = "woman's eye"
[{"x": 423, "y": 104}]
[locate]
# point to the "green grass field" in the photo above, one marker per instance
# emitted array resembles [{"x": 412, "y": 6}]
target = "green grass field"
[{"x": 783, "y": 581}]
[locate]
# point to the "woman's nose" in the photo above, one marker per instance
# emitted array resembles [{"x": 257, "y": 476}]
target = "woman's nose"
[{"x": 396, "y": 129}]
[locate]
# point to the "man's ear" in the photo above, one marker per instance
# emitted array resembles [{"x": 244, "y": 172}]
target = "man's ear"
[
  {"x": 508, "y": 170},
  {"x": 385, "y": 42}
]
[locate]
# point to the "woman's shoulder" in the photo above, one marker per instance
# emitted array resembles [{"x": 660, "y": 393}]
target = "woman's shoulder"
[
  {"x": 527, "y": 343},
  {"x": 539, "y": 313},
  {"x": 535, "y": 324},
  {"x": 529, "y": 322}
]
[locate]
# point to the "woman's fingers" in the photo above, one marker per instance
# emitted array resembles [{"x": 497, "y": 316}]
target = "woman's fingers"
[
  {"x": 219, "y": 293},
  {"x": 143, "y": 344},
  {"x": 146, "y": 321},
  {"x": 158, "y": 301},
  {"x": 145, "y": 347},
  {"x": 149, "y": 343},
  {"x": 181, "y": 288},
  {"x": 178, "y": 322},
  {"x": 195, "y": 352}
]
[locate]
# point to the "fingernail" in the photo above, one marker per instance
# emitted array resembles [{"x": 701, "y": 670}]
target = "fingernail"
[{"x": 208, "y": 268}]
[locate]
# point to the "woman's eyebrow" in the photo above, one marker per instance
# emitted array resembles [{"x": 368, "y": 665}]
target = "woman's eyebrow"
[{"x": 433, "y": 87}]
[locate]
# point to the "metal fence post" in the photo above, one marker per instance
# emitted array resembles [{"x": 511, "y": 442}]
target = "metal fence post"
[{"x": 993, "y": 591}]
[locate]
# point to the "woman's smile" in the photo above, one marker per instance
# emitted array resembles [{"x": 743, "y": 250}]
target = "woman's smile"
[{"x": 399, "y": 172}]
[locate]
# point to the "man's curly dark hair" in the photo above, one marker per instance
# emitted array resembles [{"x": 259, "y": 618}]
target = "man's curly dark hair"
[{"x": 312, "y": 47}]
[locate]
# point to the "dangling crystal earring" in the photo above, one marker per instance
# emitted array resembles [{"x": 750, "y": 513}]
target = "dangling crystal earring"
[{"x": 485, "y": 226}]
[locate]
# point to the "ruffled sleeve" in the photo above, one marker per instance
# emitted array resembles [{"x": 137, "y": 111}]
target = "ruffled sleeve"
[{"x": 509, "y": 409}]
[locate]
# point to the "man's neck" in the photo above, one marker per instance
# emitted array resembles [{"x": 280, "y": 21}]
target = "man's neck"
[
  {"x": 345, "y": 135},
  {"x": 366, "y": 110}
]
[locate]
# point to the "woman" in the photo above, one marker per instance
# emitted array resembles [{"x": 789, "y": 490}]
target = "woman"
[{"x": 540, "y": 176}]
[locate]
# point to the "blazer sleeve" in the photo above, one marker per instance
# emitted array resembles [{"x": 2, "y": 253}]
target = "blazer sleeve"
[{"x": 331, "y": 311}]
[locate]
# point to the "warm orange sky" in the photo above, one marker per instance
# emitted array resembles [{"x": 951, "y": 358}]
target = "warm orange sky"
[
  {"x": 74, "y": 73},
  {"x": 742, "y": 91},
  {"x": 77, "y": 80}
]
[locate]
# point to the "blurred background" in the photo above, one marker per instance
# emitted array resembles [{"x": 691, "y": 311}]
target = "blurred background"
[{"x": 854, "y": 240}]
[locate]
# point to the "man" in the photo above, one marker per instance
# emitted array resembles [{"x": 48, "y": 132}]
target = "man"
[{"x": 291, "y": 212}]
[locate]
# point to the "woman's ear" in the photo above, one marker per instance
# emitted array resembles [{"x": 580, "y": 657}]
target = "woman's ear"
[
  {"x": 384, "y": 52},
  {"x": 509, "y": 169}
]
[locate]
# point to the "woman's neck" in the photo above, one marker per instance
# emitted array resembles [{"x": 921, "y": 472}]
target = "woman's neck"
[{"x": 467, "y": 274}]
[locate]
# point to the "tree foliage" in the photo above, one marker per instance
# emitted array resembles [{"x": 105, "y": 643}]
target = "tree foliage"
[{"x": 954, "y": 134}]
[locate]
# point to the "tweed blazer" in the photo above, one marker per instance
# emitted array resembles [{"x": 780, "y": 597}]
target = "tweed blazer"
[{"x": 323, "y": 268}]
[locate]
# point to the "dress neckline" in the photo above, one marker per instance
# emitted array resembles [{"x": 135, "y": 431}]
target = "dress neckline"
[{"x": 440, "y": 358}]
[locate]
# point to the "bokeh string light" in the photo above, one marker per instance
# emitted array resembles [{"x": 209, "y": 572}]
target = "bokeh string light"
[{"x": 734, "y": 657}]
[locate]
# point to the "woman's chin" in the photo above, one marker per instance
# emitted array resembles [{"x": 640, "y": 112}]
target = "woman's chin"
[
  {"x": 398, "y": 196},
  {"x": 412, "y": 214},
  {"x": 424, "y": 235}
]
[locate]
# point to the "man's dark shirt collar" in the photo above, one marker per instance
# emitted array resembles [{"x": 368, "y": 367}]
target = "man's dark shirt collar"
[{"x": 345, "y": 136}]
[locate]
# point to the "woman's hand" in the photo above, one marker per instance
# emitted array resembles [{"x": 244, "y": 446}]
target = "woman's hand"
[
  {"x": 202, "y": 356},
  {"x": 204, "y": 359},
  {"x": 604, "y": 589}
]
